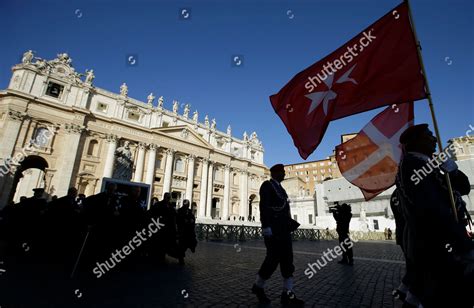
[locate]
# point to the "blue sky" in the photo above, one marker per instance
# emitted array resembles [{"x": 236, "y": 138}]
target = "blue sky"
[{"x": 190, "y": 60}]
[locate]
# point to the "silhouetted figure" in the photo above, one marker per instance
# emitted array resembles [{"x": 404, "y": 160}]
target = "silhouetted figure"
[
  {"x": 438, "y": 247},
  {"x": 30, "y": 215},
  {"x": 10, "y": 227},
  {"x": 131, "y": 218},
  {"x": 385, "y": 233},
  {"x": 277, "y": 227},
  {"x": 165, "y": 241},
  {"x": 186, "y": 230},
  {"x": 80, "y": 200},
  {"x": 342, "y": 214},
  {"x": 389, "y": 234},
  {"x": 62, "y": 227},
  {"x": 100, "y": 214},
  {"x": 395, "y": 203}
]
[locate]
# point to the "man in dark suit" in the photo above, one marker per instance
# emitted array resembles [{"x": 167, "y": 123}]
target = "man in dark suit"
[
  {"x": 276, "y": 217},
  {"x": 435, "y": 243}
]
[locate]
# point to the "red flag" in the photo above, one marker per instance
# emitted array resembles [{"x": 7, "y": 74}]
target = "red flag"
[
  {"x": 378, "y": 67},
  {"x": 370, "y": 160}
]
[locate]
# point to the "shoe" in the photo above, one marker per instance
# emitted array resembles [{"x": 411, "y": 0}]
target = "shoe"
[
  {"x": 288, "y": 298},
  {"x": 397, "y": 294},
  {"x": 260, "y": 292},
  {"x": 343, "y": 261}
]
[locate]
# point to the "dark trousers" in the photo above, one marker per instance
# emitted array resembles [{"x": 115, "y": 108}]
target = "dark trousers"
[
  {"x": 279, "y": 251},
  {"x": 347, "y": 255}
]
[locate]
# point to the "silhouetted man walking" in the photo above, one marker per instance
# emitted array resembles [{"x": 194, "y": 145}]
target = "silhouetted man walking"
[{"x": 277, "y": 226}]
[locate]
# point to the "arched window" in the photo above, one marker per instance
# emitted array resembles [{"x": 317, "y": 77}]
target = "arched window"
[
  {"x": 92, "y": 149},
  {"x": 179, "y": 165}
]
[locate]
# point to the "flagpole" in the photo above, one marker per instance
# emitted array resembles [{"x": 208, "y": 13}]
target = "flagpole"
[{"x": 430, "y": 102}]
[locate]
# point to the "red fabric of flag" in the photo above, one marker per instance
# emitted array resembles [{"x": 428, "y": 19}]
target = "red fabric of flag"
[
  {"x": 370, "y": 159},
  {"x": 378, "y": 67}
]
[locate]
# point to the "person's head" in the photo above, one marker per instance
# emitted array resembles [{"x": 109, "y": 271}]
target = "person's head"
[
  {"x": 72, "y": 192},
  {"x": 167, "y": 197},
  {"x": 22, "y": 198},
  {"x": 135, "y": 192},
  {"x": 81, "y": 196},
  {"x": 278, "y": 172},
  {"x": 154, "y": 200},
  {"x": 55, "y": 197},
  {"x": 186, "y": 204},
  {"x": 38, "y": 192},
  {"x": 110, "y": 188},
  {"x": 418, "y": 138},
  {"x": 346, "y": 207}
]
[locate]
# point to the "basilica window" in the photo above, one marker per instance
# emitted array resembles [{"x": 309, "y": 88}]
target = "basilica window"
[
  {"x": 92, "y": 150},
  {"x": 158, "y": 162},
  {"x": 218, "y": 175},
  {"x": 179, "y": 165},
  {"x": 135, "y": 116},
  {"x": 235, "y": 179},
  {"x": 102, "y": 107},
  {"x": 54, "y": 89}
]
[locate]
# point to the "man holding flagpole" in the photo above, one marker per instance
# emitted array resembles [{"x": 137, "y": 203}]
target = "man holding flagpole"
[{"x": 443, "y": 256}]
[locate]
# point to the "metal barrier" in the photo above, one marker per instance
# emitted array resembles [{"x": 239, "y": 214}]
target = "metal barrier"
[{"x": 217, "y": 232}]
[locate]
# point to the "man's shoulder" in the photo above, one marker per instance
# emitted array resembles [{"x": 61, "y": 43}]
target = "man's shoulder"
[
  {"x": 266, "y": 185},
  {"x": 411, "y": 161}
]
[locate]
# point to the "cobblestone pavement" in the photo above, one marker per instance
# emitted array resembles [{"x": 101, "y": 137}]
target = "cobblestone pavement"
[{"x": 217, "y": 275}]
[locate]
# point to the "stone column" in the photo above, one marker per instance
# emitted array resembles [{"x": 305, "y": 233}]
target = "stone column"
[
  {"x": 202, "y": 199},
  {"x": 244, "y": 205},
  {"x": 150, "y": 167},
  {"x": 210, "y": 184},
  {"x": 168, "y": 170},
  {"x": 68, "y": 159},
  {"x": 110, "y": 159},
  {"x": 10, "y": 133},
  {"x": 225, "y": 210},
  {"x": 138, "y": 176},
  {"x": 190, "y": 178}
]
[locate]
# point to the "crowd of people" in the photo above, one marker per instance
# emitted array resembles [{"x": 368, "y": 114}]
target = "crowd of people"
[{"x": 57, "y": 230}]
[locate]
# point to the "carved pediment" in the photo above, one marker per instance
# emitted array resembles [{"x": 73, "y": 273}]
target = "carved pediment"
[{"x": 184, "y": 133}]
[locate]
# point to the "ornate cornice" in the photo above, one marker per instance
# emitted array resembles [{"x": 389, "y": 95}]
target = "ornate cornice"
[
  {"x": 190, "y": 157},
  {"x": 111, "y": 138},
  {"x": 74, "y": 128},
  {"x": 170, "y": 151},
  {"x": 16, "y": 115},
  {"x": 153, "y": 147}
]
